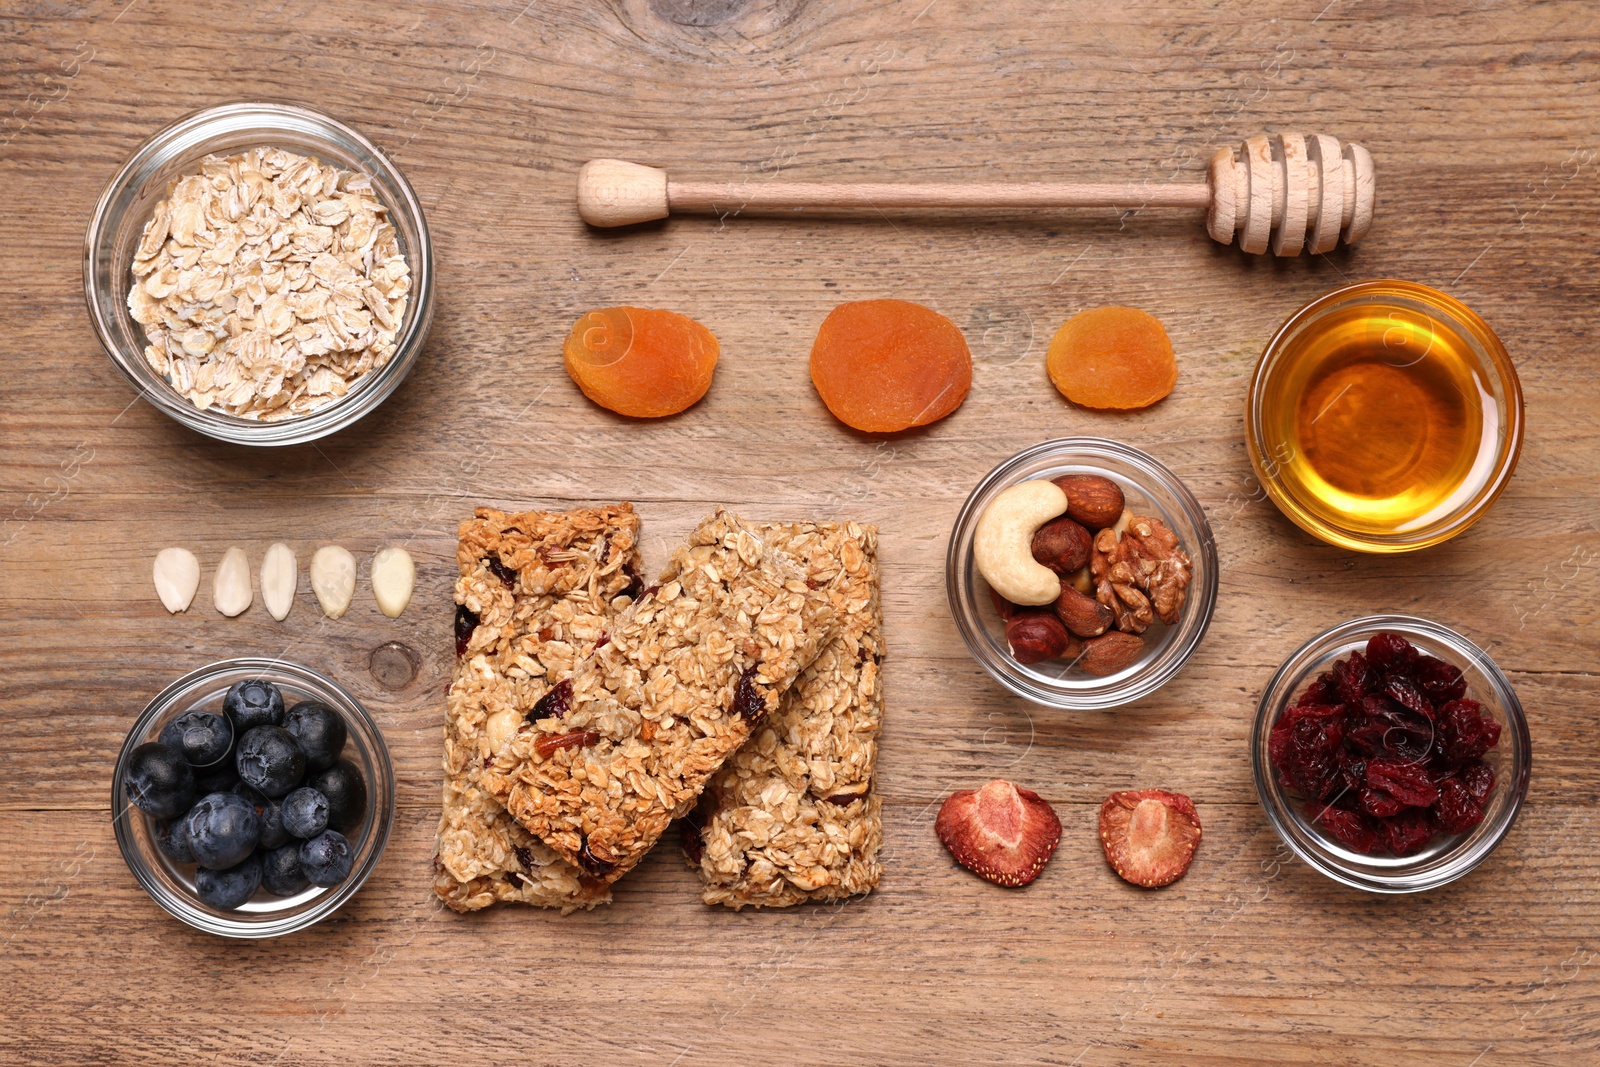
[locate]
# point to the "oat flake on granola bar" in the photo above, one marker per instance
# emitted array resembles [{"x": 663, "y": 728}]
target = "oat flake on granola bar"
[{"x": 268, "y": 284}]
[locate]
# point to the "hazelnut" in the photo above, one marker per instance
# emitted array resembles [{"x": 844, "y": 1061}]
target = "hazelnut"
[
  {"x": 1036, "y": 635},
  {"x": 1063, "y": 545},
  {"x": 1082, "y": 615},
  {"x": 1092, "y": 499}
]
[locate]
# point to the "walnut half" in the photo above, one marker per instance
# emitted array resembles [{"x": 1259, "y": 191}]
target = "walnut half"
[{"x": 1142, "y": 575}]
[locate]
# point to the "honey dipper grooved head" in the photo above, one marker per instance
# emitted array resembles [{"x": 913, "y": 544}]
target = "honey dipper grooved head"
[{"x": 1291, "y": 192}]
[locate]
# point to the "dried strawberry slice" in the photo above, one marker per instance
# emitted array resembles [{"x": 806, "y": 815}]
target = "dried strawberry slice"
[
  {"x": 1002, "y": 832},
  {"x": 1149, "y": 835}
]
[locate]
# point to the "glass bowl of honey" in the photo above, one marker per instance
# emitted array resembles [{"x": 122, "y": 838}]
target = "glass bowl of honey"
[{"x": 1384, "y": 417}]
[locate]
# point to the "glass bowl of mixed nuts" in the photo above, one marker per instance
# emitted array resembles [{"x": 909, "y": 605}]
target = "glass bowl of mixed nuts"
[
  {"x": 1081, "y": 573},
  {"x": 261, "y": 273},
  {"x": 1391, "y": 754}
]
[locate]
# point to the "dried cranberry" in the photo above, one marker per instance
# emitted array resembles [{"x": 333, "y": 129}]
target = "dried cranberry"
[
  {"x": 602, "y": 640},
  {"x": 635, "y": 583},
  {"x": 466, "y": 622},
  {"x": 1409, "y": 695},
  {"x": 1321, "y": 691},
  {"x": 1379, "y": 803},
  {"x": 1349, "y": 828},
  {"x": 748, "y": 701},
  {"x": 1408, "y": 783},
  {"x": 1408, "y": 832},
  {"x": 691, "y": 833},
  {"x": 556, "y": 702},
  {"x": 1478, "y": 777},
  {"x": 1464, "y": 732},
  {"x": 507, "y": 576},
  {"x": 1457, "y": 810},
  {"x": 1441, "y": 682},
  {"x": 595, "y": 864},
  {"x": 1390, "y": 653},
  {"x": 1353, "y": 679}
]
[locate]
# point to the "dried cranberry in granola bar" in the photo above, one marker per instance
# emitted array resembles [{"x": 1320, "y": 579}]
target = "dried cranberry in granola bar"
[
  {"x": 792, "y": 816},
  {"x": 537, "y": 590},
  {"x": 687, "y": 672}
]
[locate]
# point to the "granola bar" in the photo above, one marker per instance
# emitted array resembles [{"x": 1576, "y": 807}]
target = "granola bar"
[
  {"x": 537, "y": 591},
  {"x": 688, "y": 671},
  {"x": 792, "y": 816}
]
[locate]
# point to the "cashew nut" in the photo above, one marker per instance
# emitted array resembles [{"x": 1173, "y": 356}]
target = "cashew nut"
[{"x": 1002, "y": 546}]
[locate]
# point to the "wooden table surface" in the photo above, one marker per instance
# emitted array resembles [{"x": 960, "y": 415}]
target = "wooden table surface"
[{"x": 1482, "y": 117}]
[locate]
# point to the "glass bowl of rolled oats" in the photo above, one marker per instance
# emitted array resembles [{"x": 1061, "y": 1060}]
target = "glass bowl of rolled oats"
[{"x": 261, "y": 273}]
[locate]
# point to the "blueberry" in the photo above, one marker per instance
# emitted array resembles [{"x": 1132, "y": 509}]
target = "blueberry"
[
  {"x": 218, "y": 779},
  {"x": 269, "y": 811},
  {"x": 223, "y": 829},
  {"x": 305, "y": 813},
  {"x": 203, "y": 738},
  {"x": 159, "y": 781},
  {"x": 251, "y": 704},
  {"x": 346, "y": 793},
  {"x": 269, "y": 759},
  {"x": 172, "y": 838},
  {"x": 229, "y": 887},
  {"x": 280, "y": 870},
  {"x": 327, "y": 858},
  {"x": 319, "y": 730}
]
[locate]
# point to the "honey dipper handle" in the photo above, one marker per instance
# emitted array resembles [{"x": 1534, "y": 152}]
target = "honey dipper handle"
[
  {"x": 614, "y": 193},
  {"x": 768, "y": 197}
]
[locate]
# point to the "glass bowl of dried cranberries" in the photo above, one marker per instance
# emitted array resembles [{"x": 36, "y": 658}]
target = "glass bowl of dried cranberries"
[
  {"x": 1127, "y": 562},
  {"x": 1391, "y": 754}
]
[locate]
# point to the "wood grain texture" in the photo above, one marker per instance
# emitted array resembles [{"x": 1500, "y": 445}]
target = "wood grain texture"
[{"x": 1482, "y": 119}]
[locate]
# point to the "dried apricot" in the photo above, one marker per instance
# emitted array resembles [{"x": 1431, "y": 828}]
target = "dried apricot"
[
  {"x": 887, "y": 365},
  {"x": 641, "y": 362},
  {"x": 1112, "y": 357}
]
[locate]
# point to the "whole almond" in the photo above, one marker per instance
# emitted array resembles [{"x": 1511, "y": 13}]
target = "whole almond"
[
  {"x": 280, "y": 575},
  {"x": 230, "y": 588},
  {"x": 1082, "y": 615},
  {"x": 1092, "y": 499},
  {"x": 1063, "y": 545},
  {"x": 1110, "y": 653}
]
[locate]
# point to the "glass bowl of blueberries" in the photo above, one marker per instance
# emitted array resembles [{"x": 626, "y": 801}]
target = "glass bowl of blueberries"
[{"x": 252, "y": 798}]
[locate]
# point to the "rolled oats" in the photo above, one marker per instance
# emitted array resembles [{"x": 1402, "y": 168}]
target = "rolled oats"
[
  {"x": 677, "y": 682},
  {"x": 536, "y": 591},
  {"x": 268, "y": 284}
]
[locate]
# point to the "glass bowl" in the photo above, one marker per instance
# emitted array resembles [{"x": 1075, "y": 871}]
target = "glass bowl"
[
  {"x": 1448, "y": 856},
  {"x": 1401, "y": 323},
  {"x": 131, "y": 197},
  {"x": 1149, "y": 488},
  {"x": 171, "y": 884}
]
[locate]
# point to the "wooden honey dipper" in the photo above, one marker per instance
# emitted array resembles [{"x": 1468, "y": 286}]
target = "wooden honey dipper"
[{"x": 1286, "y": 192}]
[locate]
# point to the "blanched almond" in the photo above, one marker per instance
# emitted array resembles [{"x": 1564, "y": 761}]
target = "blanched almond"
[
  {"x": 280, "y": 576},
  {"x": 177, "y": 575},
  {"x": 333, "y": 579},
  {"x": 230, "y": 589},
  {"x": 394, "y": 576}
]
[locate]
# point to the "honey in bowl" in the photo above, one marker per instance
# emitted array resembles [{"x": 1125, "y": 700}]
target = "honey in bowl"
[{"x": 1385, "y": 416}]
